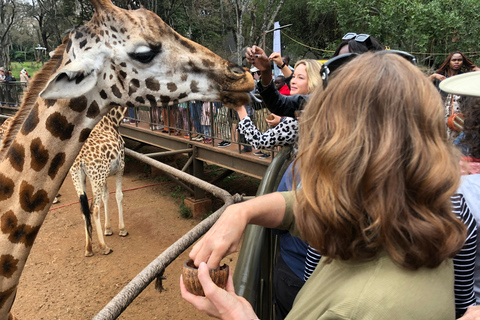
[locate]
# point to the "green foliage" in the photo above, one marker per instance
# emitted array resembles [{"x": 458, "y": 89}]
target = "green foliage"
[
  {"x": 429, "y": 28},
  {"x": 185, "y": 212}
]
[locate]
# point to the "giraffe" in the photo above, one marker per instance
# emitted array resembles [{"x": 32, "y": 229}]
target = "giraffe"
[
  {"x": 101, "y": 156},
  {"x": 119, "y": 57}
]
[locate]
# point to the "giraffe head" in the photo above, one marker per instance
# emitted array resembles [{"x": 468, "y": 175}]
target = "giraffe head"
[{"x": 132, "y": 58}]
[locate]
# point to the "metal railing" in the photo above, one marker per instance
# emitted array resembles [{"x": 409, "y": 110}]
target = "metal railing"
[{"x": 11, "y": 93}]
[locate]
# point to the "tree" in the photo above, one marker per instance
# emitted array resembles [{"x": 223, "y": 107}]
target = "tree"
[{"x": 7, "y": 19}]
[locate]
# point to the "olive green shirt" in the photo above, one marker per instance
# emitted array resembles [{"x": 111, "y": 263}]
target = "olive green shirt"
[{"x": 377, "y": 289}]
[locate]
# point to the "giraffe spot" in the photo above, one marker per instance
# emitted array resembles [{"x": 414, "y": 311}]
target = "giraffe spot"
[
  {"x": 116, "y": 92},
  {"x": 152, "y": 84},
  {"x": 103, "y": 94},
  {"x": 188, "y": 46},
  {"x": 123, "y": 30},
  {"x": 32, "y": 121},
  {"x": 140, "y": 100},
  {"x": 172, "y": 87},
  {"x": 50, "y": 102},
  {"x": 39, "y": 154},
  {"x": 194, "y": 86},
  {"x": 152, "y": 100},
  {"x": 184, "y": 77},
  {"x": 165, "y": 100},
  {"x": 114, "y": 29},
  {"x": 8, "y": 265},
  {"x": 5, "y": 295},
  {"x": 18, "y": 233},
  {"x": 6, "y": 187},
  {"x": 84, "y": 134},
  {"x": 131, "y": 90},
  {"x": 123, "y": 74},
  {"x": 123, "y": 64},
  {"x": 30, "y": 201},
  {"x": 131, "y": 105},
  {"x": 69, "y": 45},
  {"x": 93, "y": 110},
  {"x": 120, "y": 80},
  {"x": 102, "y": 32},
  {"x": 78, "y": 104},
  {"x": 16, "y": 156},
  {"x": 110, "y": 76},
  {"x": 56, "y": 164},
  {"x": 182, "y": 95},
  {"x": 78, "y": 35},
  {"x": 97, "y": 40},
  {"x": 59, "y": 126},
  {"x": 68, "y": 62},
  {"x": 134, "y": 70},
  {"x": 207, "y": 63}
]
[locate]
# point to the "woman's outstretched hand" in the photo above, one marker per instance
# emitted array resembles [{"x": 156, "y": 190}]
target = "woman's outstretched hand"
[
  {"x": 256, "y": 56},
  {"x": 218, "y": 303}
]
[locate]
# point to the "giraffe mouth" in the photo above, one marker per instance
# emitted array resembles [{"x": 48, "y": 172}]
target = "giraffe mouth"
[{"x": 232, "y": 99}]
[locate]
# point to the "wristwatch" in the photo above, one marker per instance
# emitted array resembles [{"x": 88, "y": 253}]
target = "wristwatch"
[{"x": 283, "y": 65}]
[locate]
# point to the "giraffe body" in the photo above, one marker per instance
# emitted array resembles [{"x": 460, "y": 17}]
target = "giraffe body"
[
  {"x": 120, "y": 57},
  {"x": 101, "y": 156}
]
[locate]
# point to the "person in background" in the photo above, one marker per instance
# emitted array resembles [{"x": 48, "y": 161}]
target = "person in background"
[
  {"x": 24, "y": 76},
  {"x": 455, "y": 64},
  {"x": 2, "y": 74},
  {"x": 281, "y": 86},
  {"x": 206, "y": 109},
  {"x": 9, "y": 76},
  {"x": 384, "y": 228}
]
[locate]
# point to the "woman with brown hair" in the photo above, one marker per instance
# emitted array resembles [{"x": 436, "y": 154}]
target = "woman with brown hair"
[{"x": 376, "y": 181}]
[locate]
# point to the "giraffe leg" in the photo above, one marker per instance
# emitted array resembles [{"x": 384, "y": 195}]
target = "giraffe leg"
[
  {"x": 98, "y": 225},
  {"x": 119, "y": 196},
  {"x": 108, "y": 227}
]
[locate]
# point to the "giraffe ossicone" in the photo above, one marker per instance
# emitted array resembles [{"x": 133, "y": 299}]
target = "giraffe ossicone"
[{"x": 119, "y": 58}]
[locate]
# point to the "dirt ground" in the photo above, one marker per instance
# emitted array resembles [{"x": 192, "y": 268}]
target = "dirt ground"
[{"x": 59, "y": 282}]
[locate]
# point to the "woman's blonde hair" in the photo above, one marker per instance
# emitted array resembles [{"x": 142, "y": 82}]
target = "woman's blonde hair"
[
  {"x": 377, "y": 172},
  {"x": 313, "y": 73}
]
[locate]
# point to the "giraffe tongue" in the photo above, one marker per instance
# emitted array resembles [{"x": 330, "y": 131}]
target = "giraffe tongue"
[{"x": 254, "y": 98}]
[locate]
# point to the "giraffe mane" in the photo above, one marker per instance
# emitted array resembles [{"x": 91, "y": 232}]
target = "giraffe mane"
[{"x": 35, "y": 86}]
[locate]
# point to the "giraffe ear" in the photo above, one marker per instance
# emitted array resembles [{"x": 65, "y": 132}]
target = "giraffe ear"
[{"x": 69, "y": 84}]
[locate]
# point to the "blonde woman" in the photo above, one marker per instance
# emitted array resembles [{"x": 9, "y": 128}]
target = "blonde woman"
[{"x": 377, "y": 177}]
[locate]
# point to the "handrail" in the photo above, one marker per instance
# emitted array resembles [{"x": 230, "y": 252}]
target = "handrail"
[{"x": 120, "y": 302}]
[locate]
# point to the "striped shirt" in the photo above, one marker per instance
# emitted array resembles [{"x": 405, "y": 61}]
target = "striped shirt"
[{"x": 463, "y": 263}]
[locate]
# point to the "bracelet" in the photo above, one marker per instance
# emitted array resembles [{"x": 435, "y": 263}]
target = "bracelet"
[
  {"x": 283, "y": 65},
  {"x": 264, "y": 85}
]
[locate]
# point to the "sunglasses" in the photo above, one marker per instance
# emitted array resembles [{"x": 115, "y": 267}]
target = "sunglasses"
[
  {"x": 338, "y": 61},
  {"x": 357, "y": 37}
]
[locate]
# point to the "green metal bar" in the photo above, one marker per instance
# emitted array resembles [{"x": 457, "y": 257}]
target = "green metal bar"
[{"x": 254, "y": 267}]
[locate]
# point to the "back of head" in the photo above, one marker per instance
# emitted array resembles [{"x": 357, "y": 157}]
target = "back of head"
[
  {"x": 384, "y": 172},
  {"x": 313, "y": 68},
  {"x": 354, "y": 46}
]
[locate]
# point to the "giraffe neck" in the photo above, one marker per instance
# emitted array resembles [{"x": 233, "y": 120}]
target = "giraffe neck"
[{"x": 31, "y": 173}]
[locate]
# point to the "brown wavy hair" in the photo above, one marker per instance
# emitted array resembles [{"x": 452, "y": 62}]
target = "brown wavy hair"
[{"x": 383, "y": 169}]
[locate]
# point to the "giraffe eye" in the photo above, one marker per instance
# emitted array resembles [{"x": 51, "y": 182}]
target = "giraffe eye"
[{"x": 143, "y": 57}]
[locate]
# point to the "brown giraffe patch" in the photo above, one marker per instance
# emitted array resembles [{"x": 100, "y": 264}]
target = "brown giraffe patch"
[
  {"x": 78, "y": 104},
  {"x": 78, "y": 35},
  {"x": 129, "y": 104},
  {"x": 172, "y": 87},
  {"x": 32, "y": 121},
  {"x": 182, "y": 95},
  {"x": 103, "y": 94},
  {"x": 140, "y": 100},
  {"x": 152, "y": 100},
  {"x": 84, "y": 135},
  {"x": 39, "y": 154},
  {"x": 30, "y": 201},
  {"x": 184, "y": 77},
  {"x": 122, "y": 74},
  {"x": 5, "y": 295},
  {"x": 116, "y": 92},
  {"x": 50, "y": 102},
  {"x": 18, "y": 233},
  {"x": 6, "y": 187},
  {"x": 94, "y": 110},
  {"x": 208, "y": 63},
  {"x": 194, "y": 86},
  {"x": 8, "y": 265},
  {"x": 152, "y": 84},
  {"x": 69, "y": 45},
  {"x": 188, "y": 46},
  {"x": 16, "y": 156},
  {"x": 59, "y": 126},
  {"x": 164, "y": 100},
  {"x": 56, "y": 164}
]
